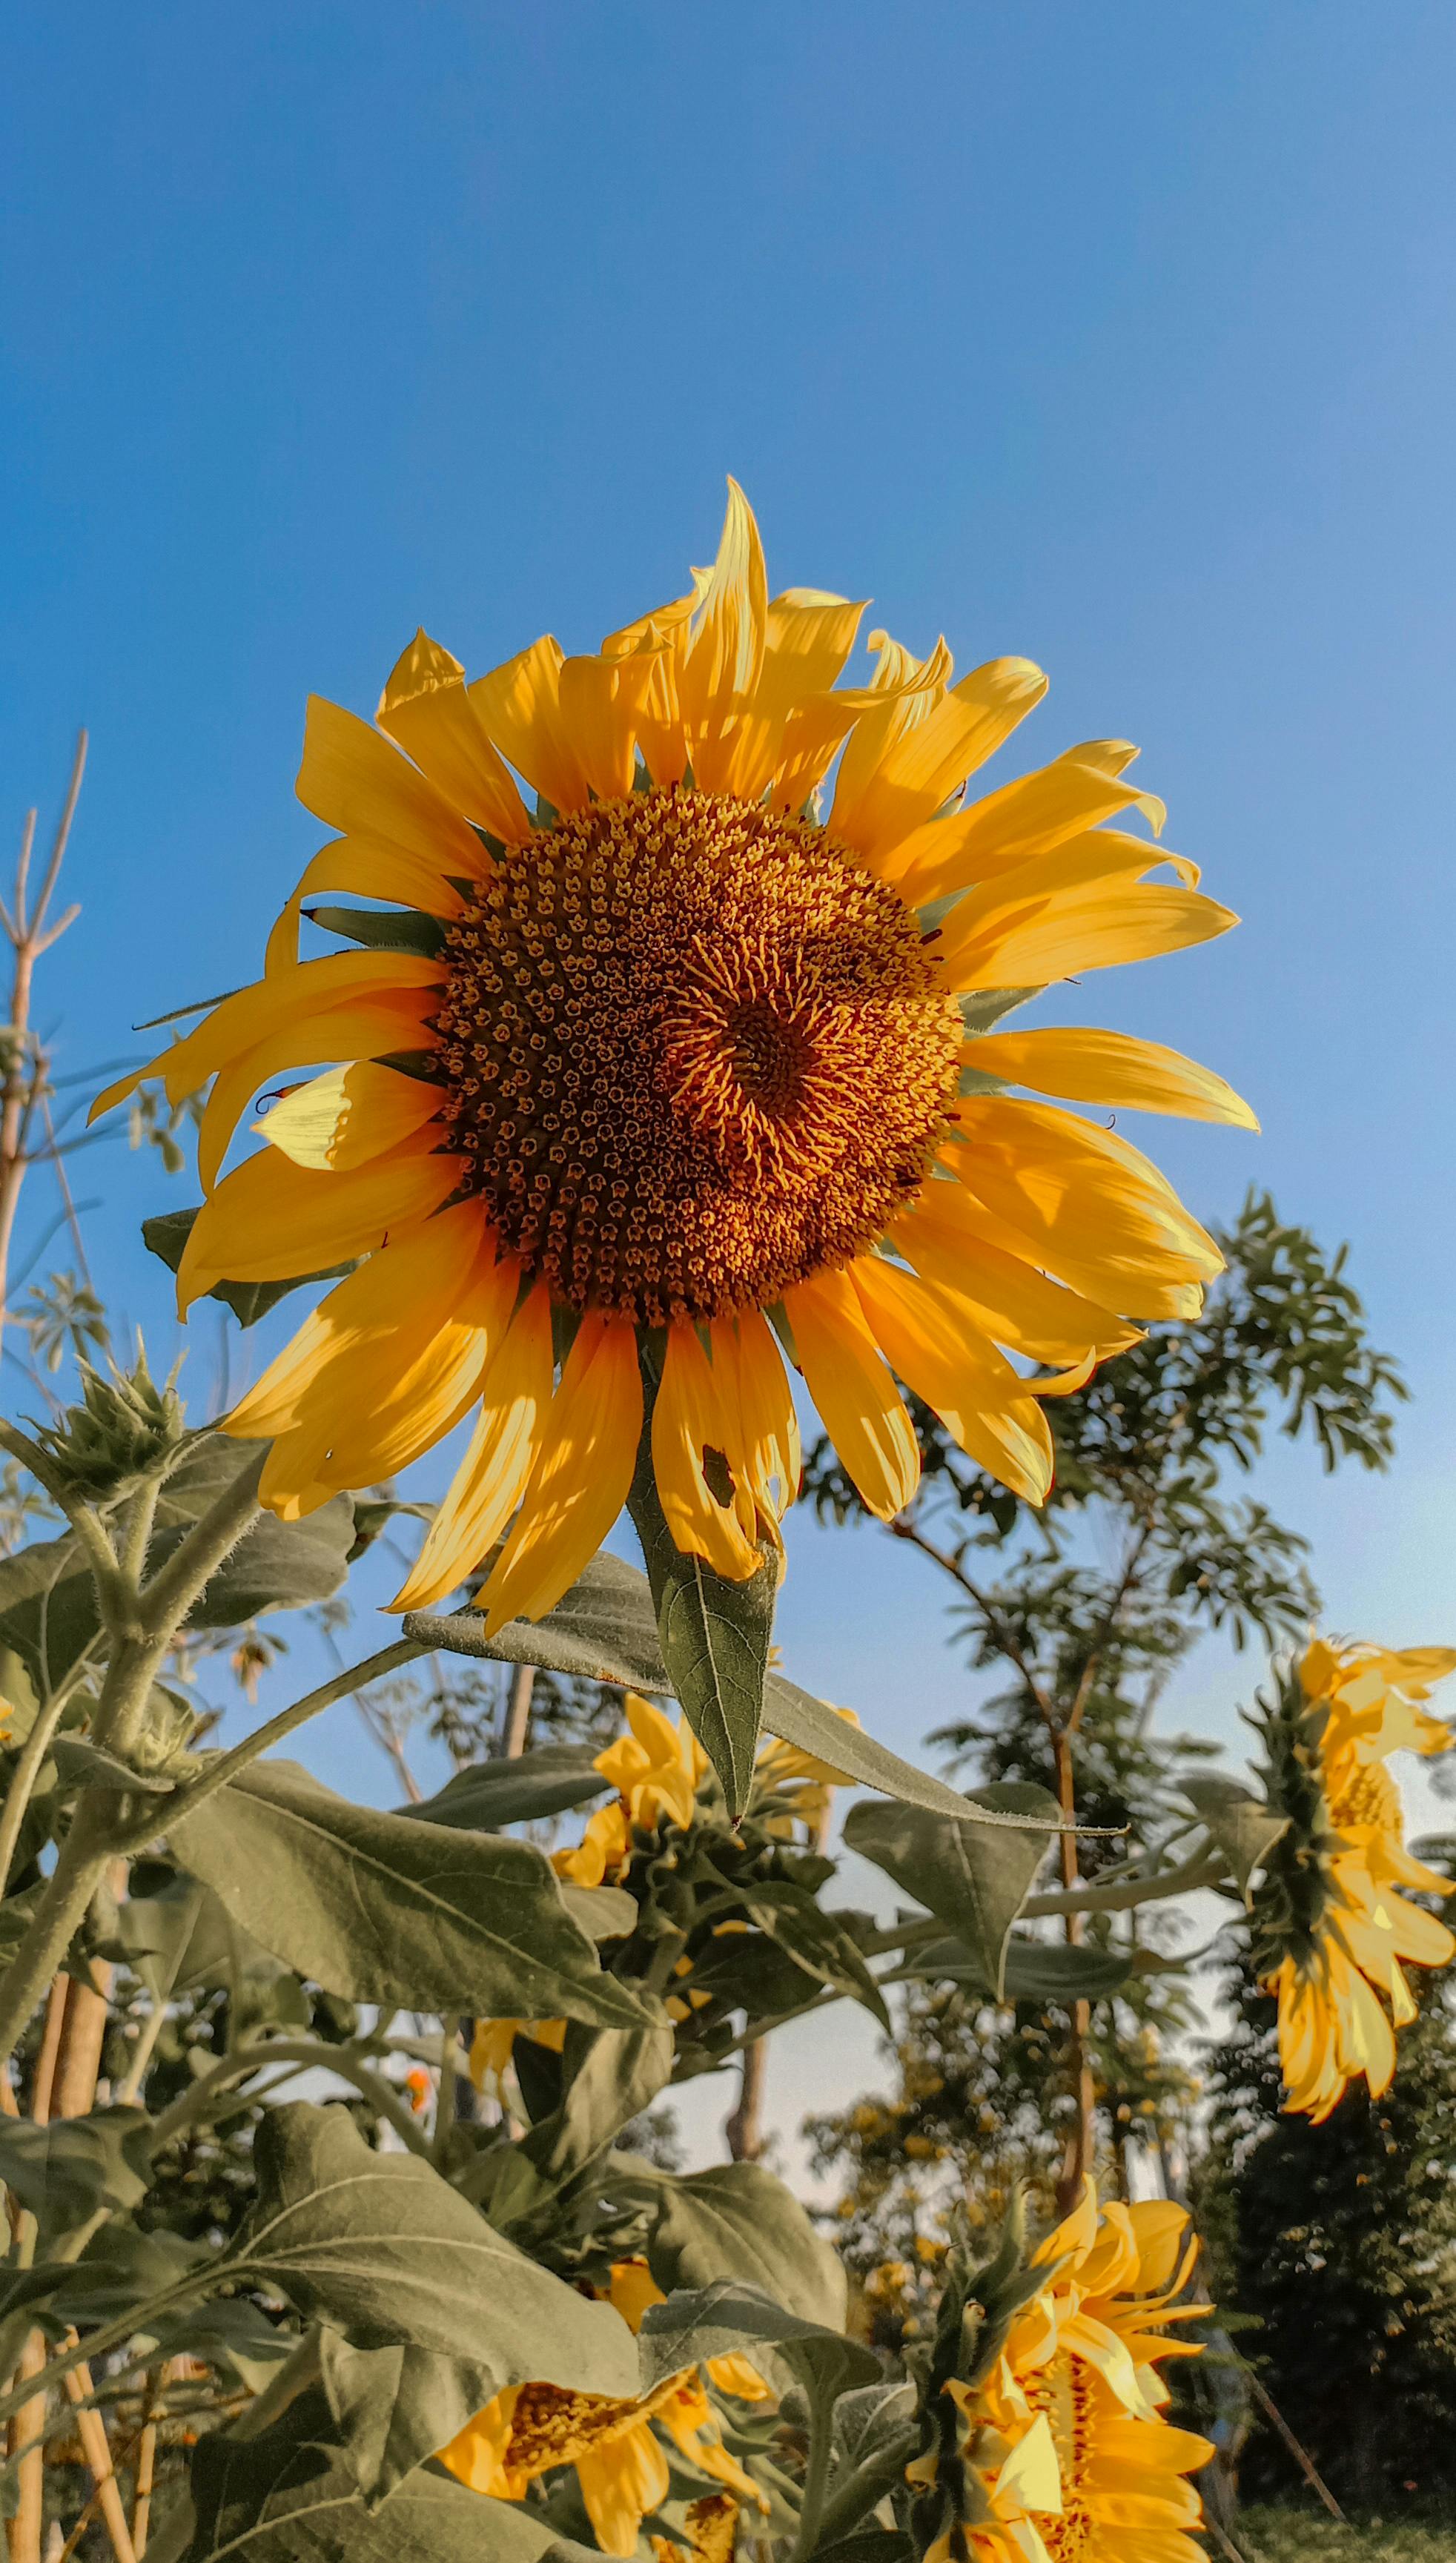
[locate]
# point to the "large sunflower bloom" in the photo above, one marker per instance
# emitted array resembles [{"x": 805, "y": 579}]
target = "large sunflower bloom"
[
  {"x": 670, "y": 1052},
  {"x": 1334, "y": 1933},
  {"x": 1066, "y": 2455}
]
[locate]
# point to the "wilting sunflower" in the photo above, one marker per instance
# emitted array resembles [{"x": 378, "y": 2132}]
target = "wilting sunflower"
[
  {"x": 615, "y": 2446},
  {"x": 1331, "y": 1932},
  {"x": 674, "y": 1054},
  {"x": 1056, "y": 2451}
]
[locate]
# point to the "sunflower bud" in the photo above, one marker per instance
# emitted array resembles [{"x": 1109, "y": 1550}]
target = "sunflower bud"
[{"x": 124, "y": 1429}]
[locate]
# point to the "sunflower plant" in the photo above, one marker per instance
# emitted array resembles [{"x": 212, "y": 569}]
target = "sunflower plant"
[{"x": 662, "y": 1083}]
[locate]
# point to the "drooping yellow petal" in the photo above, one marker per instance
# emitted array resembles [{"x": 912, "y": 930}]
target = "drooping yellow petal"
[
  {"x": 515, "y": 1399},
  {"x": 361, "y": 784},
  {"x": 271, "y": 1221},
  {"x": 348, "y": 1116},
  {"x": 688, "y": 1422},
  {"x": 620, "y": 2482},
  {"x": 864, "y": 1414},
  {"x": 922, "y": 768},
  {"x": 1090, "y": 1066},
  {"x": 1080, "y": 1196},
  {"x": 580, "y": 1480},
  {"x": 426, "y": 708},
  {"x": 931, "y": 1338},
  {"x": 405, "y": 1400},
  {"x": 395, "y": 1021},
  {"x": 760, "y": 1409}
]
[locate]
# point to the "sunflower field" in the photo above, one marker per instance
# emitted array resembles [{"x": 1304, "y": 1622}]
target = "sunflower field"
[{"x": 642, "y": 1072}]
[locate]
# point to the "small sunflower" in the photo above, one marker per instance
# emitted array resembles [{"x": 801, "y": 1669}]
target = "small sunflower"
[
  {"x": 615, "y": 2446},
  {"x": 1053, "y": 2448},
  {"x": 1331, "y": 1934},
  {"x": 674, "y": 1054}
]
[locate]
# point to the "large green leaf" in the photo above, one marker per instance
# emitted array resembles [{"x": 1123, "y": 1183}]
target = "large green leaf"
[
  {"x": 166, "y": 1236},
  {"x": 1039, "y": 1971},
  {"x": 1242, "y": 1827},
  {"x": 733, "y": 2221},
  {"x": 491, "y": 1795},
  {"x": 605, "y": 1628},
  {"x": 714, "y": 1634},
  {"x": 382, "y": 2250},
  {"x": 394, "y": 2407},
  {"x": 732, "y": 2317},
  {"x": 289, "y": 2494},
  {"x": 391, "y": 1911},
  {"x": 973, "y": 1876}
]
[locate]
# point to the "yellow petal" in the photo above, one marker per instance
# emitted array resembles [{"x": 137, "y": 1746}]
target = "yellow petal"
[
  {"x": 271, "y": 1221},
  {"x": 1081, "y": 1197},
  {"x": 932, "y": 1339},
  {"x": 602, "y": 700},
  {"x": 520, "y": 707},
  {"x": 862, "y": 1411},
  {"x": 426, "y": 708},
  {"x": 620, "y": 2482},
  {"x": 396, "y": 1020},
  {"x": 580, "y": 1480},
  {"x": 1101, "y": 929},
  {"x": 515, "y": 1399},
  {"x": 945, "y": 1238},
  {"x": 360, "y": 783},
  {"x": 348, "y": 1116},
  {"x": 401, "y": 1395},
  {"x": 687, "y": 1422},
  {"x": 760, "y": 1409},
  {"x": 922, "y": 768},
  {"x": 1031, "y": 2475},
  {"x": 1025, "y": 818},
  {"x": 372, "y": 869},
  {"x": 725, "y": 654},
  {"x": 1091, "y": 1067}
]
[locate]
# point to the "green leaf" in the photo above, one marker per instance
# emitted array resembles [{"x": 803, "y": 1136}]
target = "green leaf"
[
  {"x": 387, "y": 1910},
  {"x": 69, "y": 2171},
  {"x": 972, "y": 1878},
  {"x": 394, "y": 2407},
  {"x": 289, "y": 2494},
  {"x": 819, "y": 1941},
  {"x": 1036, "y": 1971},
  {"x": 491, "y": 1795},
  {"x": 1239, "y": 1825},
  {"x": 612, "y": 2075},
  {"x": 733, "y": 2221},
  {"x": 382, "y": 2248},
  {"x": 605, "y": 1628},
  {"x": 733, "y": 2317},
  {"x": 602, "y": 1912},
  {"x": 986, "y": 1006},
  {"x": 390, "y": 929},
  {"x": 232, "y": 2334},
  {"x": 167, "y": 1237},
  {"x": 714, "y": 1634}
]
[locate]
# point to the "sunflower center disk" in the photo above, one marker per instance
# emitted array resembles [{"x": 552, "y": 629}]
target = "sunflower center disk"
[{"x": 693, "y": 1053}]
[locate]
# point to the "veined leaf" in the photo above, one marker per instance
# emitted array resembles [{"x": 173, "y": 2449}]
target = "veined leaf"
[
  {"x": 397, "y": 1912},
  {"x": 384, "y": 2251},
  {"x": 973, "y": 1876},
  {"x": 733, "y": 2221},
  {"x": 732, "y": 2317},
  {"x": 491, "y": 1795}
]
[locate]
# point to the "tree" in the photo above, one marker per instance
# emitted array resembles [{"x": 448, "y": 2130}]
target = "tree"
[
  {"x": 1088, "y": 1606},
  {"x": 1340, "y": 2241}
]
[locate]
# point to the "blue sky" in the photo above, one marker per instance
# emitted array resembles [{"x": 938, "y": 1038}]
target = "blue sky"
[{"x": 1118, "y": 337}]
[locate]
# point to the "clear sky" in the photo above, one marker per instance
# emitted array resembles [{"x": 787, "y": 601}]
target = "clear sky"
[{"x": 1120, "y": 336}]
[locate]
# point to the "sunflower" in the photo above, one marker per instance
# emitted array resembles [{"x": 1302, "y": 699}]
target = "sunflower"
[
  {"x": 1062, "y": 2451},
  {"x": 1332, "y": 1933},
  {"x": 620, "y": 2461},
  {"x": 674, "y": 1063}
]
